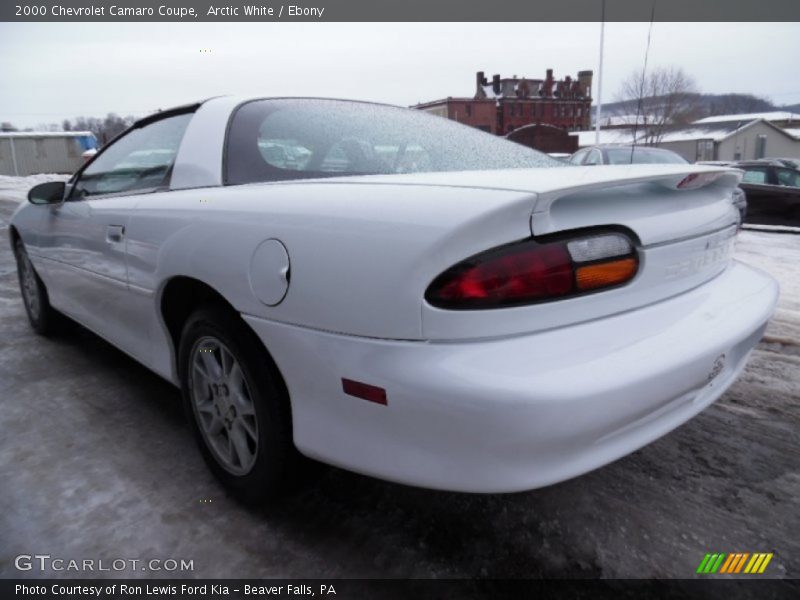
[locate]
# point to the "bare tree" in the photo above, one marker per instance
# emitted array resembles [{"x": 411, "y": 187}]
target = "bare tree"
[
  {"x": 103, "y": 129},
  {"x": 660, "y": 98}
]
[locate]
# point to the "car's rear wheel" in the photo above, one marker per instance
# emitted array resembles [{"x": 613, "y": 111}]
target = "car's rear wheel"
[
  {"x": 237, "y": 404},
  {"x": 42, "y": 317}
]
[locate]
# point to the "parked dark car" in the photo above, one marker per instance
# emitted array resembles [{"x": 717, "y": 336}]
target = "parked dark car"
[
  {"x": 792, "y": 163},
  {"x": 773, "y": 192}
]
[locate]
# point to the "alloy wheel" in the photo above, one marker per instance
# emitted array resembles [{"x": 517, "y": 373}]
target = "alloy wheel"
[{"x": 223, "y": 405}]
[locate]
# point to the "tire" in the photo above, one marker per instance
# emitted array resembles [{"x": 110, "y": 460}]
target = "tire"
[
  {"x": 237, "y": 405},
  {"x": 43, "y": 318}
]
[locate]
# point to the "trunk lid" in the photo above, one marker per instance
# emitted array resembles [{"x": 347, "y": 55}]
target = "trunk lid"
[{"x": 681, "y": 218}]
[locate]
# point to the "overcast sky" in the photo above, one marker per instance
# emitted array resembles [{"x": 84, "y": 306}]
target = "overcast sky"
[{"x": 52, "y": 71}]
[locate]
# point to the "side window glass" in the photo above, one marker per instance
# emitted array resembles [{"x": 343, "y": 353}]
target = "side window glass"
[
  {"x": 353, "y": 155},
  {"x": 577, "y": 158},
  {"x": 755, "y": 176},
  {"x": 593, "y": 158},
  {"x": 140, "y": 160},
  {"x": 788, "y": 177},
  {"x": 286, "y": 154}
]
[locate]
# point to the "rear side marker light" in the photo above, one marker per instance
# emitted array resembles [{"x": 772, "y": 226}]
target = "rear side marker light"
[
  {"x": 605, "y": 274},
  {"x": 531, "y": 271},
  {"x": 364, "y": 391}
]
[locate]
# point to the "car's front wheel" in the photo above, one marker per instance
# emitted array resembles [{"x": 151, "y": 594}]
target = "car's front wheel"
[
  {"x": 237, "y": 404},
  {"x": 41, "y": 315}
]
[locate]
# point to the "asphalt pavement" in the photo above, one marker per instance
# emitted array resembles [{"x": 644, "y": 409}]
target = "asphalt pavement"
[{"x": 97, "y": 462}]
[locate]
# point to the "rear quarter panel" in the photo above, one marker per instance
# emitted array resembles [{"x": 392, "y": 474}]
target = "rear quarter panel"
[{"x": 361, "y": 255}]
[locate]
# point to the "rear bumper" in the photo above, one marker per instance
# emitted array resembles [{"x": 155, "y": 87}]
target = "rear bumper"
[{"x": 520, "y": 412}]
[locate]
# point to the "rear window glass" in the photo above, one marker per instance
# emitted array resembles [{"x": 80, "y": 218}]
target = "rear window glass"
[
  {"x": 622, "y": 156},
  {"x": 274, "y": 140},
  {"x": 788, "y": 177}
]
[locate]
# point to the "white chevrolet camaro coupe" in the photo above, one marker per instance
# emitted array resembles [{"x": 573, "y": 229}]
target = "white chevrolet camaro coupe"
[{"x": 395, "y": 293}]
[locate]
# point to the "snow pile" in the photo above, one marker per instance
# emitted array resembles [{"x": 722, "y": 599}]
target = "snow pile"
[
  {"x": 16, "y": 188},
  {"x": 779, "y": 255}
]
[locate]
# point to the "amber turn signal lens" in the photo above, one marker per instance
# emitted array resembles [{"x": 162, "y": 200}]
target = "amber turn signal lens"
[{"x": 605, "y": 274}]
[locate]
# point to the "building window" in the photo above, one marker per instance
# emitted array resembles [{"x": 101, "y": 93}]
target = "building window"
[
  {"x": 469, "y": 110},
  {"x": 761, "y": 146},
  {"x": 705, "y": 150}
]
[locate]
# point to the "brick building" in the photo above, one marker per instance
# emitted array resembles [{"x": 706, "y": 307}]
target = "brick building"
[{"x": 502, "y": 105}]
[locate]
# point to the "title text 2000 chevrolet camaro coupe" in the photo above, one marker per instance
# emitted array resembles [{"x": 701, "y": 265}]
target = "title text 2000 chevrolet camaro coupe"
[{"x": 395, "y": 293}]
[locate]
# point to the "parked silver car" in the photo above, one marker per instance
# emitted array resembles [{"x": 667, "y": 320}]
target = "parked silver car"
[{"x": 619, "y": 154}]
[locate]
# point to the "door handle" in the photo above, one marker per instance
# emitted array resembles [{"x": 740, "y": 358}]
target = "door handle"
[{"x": 115, "y": 233}]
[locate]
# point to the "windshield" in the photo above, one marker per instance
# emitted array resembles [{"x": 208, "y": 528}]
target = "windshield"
[
  {"x": 622, "y": 156},
  {"x": 274, "y": 140}
]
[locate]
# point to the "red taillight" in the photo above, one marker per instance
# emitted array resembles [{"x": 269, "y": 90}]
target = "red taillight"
[
  {"x": 528, "y": 272},
  {"x": 515, "y": 275}
]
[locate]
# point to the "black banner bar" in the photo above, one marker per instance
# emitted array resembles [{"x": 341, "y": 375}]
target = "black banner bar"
[
  {"x": 375, "y": 589},
  {"x": 398, "y": 10}
]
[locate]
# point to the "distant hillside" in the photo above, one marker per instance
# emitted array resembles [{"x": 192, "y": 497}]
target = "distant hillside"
[{"x": 709, "y": 105}]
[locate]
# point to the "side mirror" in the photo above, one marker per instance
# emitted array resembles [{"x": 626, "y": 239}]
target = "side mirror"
[{"x": 51, "y": 192}]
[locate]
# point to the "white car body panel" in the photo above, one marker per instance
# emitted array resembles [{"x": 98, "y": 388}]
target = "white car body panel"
[
  {"x": 522, "y": 411},
  {"x": 199, "y": 160},
  {"x": 479, "y": 400}
]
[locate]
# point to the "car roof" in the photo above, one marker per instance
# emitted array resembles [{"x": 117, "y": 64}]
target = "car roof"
[
  {"x": 758, "y": 163},
  {"x": 628, "y": 147},
  {"x": 184, "y": 108}
]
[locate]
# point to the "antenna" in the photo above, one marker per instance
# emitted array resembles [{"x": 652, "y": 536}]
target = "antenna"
[
  {"x": 641, "y": 84},
  {"x": 600, "y": 78}
]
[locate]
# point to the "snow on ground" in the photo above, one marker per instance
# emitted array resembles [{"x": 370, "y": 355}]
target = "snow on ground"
[
  {"x": 16, "y": 188},
  {"x": 779, "y": 255},
  {"x": 726, "y": 480}
]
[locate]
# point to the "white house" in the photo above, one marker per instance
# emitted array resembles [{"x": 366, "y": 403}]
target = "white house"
[
  {"x": 31, "y": 152},
  {"x": 738, "y": 139}
]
